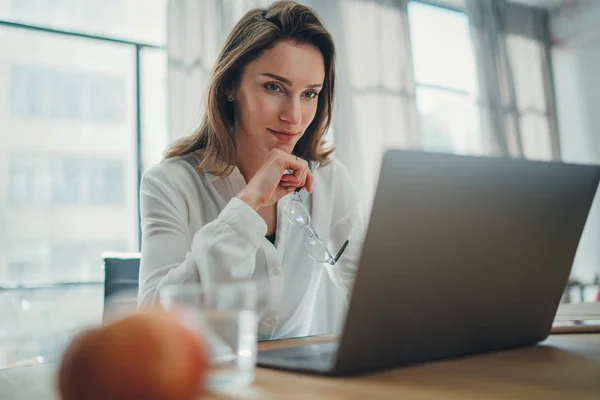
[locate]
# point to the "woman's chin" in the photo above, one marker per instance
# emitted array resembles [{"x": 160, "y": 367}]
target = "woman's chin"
[{"x": 287, "y": 147}]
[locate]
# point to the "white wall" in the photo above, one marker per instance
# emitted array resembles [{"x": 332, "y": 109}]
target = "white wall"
[
  {"x": 577, "y": 82},
  {"x": 576, "y": 23}
]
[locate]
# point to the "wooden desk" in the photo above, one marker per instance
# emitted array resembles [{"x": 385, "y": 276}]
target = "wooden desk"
[{"x": 562, "y": 367}]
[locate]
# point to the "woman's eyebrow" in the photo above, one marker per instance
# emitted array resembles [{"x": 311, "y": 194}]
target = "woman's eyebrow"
[{"x": 287, "y": 81}]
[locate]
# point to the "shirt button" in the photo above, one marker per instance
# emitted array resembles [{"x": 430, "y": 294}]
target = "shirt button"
[
  {"x": 274, "y": 271},
  {"x": 270, "y": 322}
]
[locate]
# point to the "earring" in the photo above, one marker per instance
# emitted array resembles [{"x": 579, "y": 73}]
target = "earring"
[{"x": 230, "y": 98}]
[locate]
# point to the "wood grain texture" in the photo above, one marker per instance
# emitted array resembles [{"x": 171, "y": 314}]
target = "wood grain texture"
[
  {"x": 561, "y": 367},
  {"x": 564, "y": 366}
]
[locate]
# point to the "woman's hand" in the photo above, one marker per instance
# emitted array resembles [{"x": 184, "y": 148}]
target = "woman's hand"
[{"x": 271, "y": 182}]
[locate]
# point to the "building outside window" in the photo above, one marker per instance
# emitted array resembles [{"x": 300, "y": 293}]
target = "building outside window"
[{"x": 77, "y": 78}]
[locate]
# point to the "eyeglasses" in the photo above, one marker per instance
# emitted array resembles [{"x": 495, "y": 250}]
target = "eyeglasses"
[{"x": 314, "y": 245}]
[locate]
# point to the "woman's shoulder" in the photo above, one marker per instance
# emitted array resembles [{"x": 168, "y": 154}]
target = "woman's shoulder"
[
  {"x": 174, "y": 171},
  {"x": 334, "y": 172},
  {"x": 335, "y": 176},
  {"x": 341, "y": 187}
]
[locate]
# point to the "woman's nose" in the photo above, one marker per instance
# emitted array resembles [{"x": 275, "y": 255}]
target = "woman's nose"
[{"x": 291, "y": 112}]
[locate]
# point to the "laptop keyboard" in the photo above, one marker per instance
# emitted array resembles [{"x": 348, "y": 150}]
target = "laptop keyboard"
[
  {"x": 324, "y": 356},
  {"x": 314, "y": 357},
  {"x": 315, "y": 352}
]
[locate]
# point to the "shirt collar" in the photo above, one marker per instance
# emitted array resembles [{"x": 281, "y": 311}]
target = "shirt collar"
[
  {"x": 212, "y": 177},
  {"x": 234, "y": 174}
]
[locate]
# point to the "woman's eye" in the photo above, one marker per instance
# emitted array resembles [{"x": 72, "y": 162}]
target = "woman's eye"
[
  {"x": 311, "y": 94},
  {"x": 271, "y": 87}
]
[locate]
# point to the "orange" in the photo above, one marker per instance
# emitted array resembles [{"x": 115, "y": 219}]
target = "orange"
[{"x": 146, "y": 356}]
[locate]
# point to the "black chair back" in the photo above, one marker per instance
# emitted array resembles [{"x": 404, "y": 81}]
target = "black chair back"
[{"x": 121, "y": 276}]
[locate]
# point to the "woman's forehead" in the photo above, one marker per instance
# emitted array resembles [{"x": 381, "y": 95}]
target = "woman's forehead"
[{"x": 301, "y": 64}]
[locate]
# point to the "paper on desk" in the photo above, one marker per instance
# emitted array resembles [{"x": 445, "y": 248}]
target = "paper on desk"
[
  {"x": 577, "y": 318},
  {"x": 578, "y": 311},
  {"x": 576, "y": 326}
]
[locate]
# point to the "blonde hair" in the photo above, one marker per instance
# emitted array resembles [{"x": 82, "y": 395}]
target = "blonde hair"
[{"x": 257, "y": 31}]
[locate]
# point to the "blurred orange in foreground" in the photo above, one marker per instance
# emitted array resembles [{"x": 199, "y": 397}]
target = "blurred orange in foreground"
[{"x": 146, "y": 356}]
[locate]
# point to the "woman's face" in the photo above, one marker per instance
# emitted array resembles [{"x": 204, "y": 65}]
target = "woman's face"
[{"x": 277, "y": 97}]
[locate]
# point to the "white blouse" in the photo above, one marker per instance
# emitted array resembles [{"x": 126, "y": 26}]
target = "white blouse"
[{"x": 195, "y": 229}]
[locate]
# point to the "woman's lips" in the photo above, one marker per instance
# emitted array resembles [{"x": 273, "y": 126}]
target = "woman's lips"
[{"x": 283, "y": 136}]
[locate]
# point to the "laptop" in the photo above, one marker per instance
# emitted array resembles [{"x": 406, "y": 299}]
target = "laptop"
[{"x": 463, "y": 255}]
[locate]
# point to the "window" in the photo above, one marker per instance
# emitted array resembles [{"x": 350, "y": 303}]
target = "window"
[
  {"x": 49, "y": 262},
  {"x": 56, "y": 180},
  {"x": 445, "y": 77},
  {"x": 70, "y": 94},
  {"x": 75, "y": 131},
  {"x": 136, "y": 20},
  {"x": 88, "y": 181},
  {"x": 26, "y": 260},
  {"x": 24, "y": 176},
  {"x": 80, "y": 260}
]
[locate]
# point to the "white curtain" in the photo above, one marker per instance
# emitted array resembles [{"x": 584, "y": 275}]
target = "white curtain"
[
  {"x": 196, "y": 31},
  {"x": 511, "y": 43},
  {"x": 375, "y": 101}
]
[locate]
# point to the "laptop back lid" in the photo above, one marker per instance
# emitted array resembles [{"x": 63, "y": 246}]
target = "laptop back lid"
[{"x": 463, "y": 255}]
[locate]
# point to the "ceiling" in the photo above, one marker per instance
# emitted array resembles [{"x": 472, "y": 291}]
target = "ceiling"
[{"x": 550, "y": 4}]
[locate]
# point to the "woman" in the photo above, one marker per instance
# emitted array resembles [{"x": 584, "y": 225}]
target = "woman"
[{"x": 215, "y": 209}]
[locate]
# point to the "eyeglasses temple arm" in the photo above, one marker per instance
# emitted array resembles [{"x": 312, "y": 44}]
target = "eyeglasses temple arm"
[
  {"x": 315, "y": 166},
  {"x": 339, "y": 254}
]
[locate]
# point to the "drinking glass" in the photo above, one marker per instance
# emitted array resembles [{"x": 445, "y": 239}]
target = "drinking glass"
[{"x": 224, "y": 316}]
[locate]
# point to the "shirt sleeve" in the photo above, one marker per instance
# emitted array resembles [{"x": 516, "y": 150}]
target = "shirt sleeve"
[
  {"x": 347, "y": 224},
  {"x": 222, "y": 250}
]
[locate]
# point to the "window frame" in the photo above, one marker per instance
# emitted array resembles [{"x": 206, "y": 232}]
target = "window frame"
[
  {"x": 138, "y": 47},
  {"x": 440, "y": 88}
]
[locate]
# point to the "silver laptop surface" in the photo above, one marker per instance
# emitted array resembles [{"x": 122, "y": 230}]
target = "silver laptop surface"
[{"x": 463, "y": 255}]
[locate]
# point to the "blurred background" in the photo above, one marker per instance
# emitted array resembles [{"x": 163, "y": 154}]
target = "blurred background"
[{"x": 92, "y": 92}]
